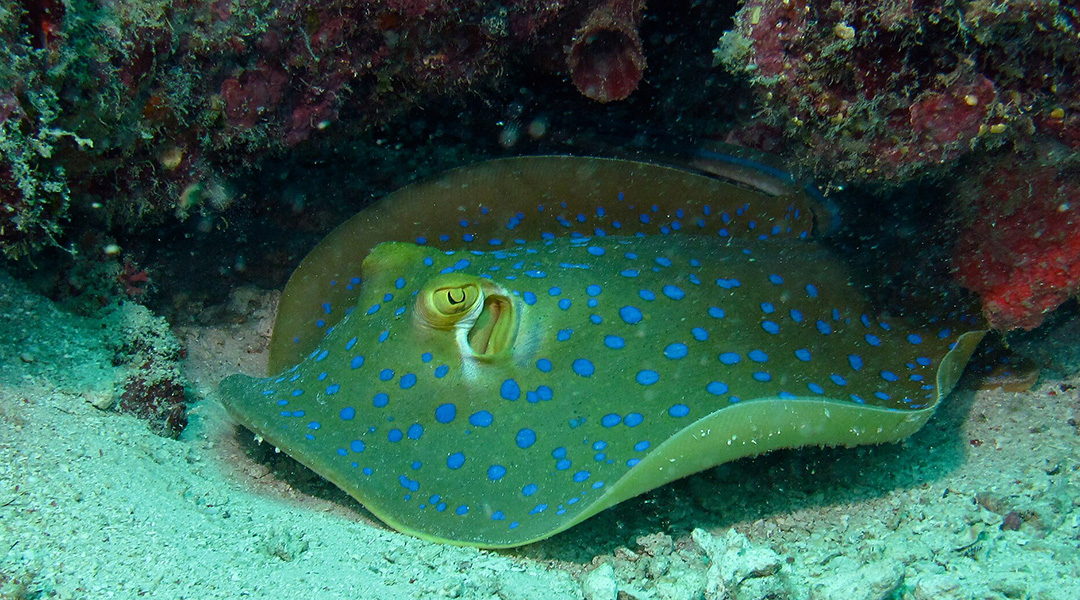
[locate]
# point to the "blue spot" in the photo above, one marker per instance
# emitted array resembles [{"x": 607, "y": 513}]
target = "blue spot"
[
  {"x": 631, "y": 315},
  {"x": 673, "y": 292},
  {"x": 889, "y": 376},
  {"x": 716, "y": 312},
  {"x": 564, "y": 334},
  {"x": 730, "y": 358},
  {"x": 554, "y": 290},
  {"x": 374, "y": 309},
  {"x": 647, "y": 377},
  {"x": 536, "y": 274},
  {"x": 728, "y": 284},
  {"x": 593, "y": 290},
  {"x": 394, "y": 435},
  {"x": 357, "y": 446},
  {"x": 510, "y": 390},
  {"x": 629, "y": 273},
  {"x": 386, "y": 374},
  {"x": 699, "y": 334},
  {"x": 633, "y": 419},
  {"x": 643, "y": 445},
  {"x": 646, "y": 295},
  {"x": 332, "y": 389},
  {"x": 529, "y": 489},
  {"x": 545, "y": 392},
  {"x": 776, "y": 279},
  {"x": 581, "y": 476},
  {"x": 415, "y": 431},
  {"x": 914, "y": 338},
  {"x": 326, "y": 307},
  {"x": 544, "y": 365},
  {"x": 455, "y": 460},
  {"x": 380, "y": 400},
  {"x": 767, "y": 308},
  {"x": 481, "y": 418},
  {"x": 924, "y": 361},
  {"x": 383, "y": 336},
  {"x": 558, "y": 453},
  {"x": 678, "y": 411},
  {"x": 663, "y": 261},
  {"x": 803, "y": 354},
  {"x": 313, "y": 425},
  {"x": 407, "y": 381},
  {"x": 817, "y": 389},
  {"x": 796, "y": 315},
  {"x": 872, "y": 339},
  {"x": 320, "y": 323},
  {"x": 564, "y": 304},
  {"x": 762, "y": 376},
  {"x": 770, "y": 327},
  {"x": 614, "y": 342},
  {"x": 525, "y": 438},
  {"x": 322, "y": 355},
  {"x": 856, "y": 361},
  {"x": 823, "y": 327},
  {"x": 399, "y": 282},
  {"x": 610, "y": 420},
  {"x": 562, "y": 465},
  {"x": 461, "y": 510},
  {"x": 426, "y": 357},
  {"x": 445, "y": 413},
  {"x": 716, "y": 388},
  {"x": 349, "y": 344},
  {"x": 297, "y": 392},
  {"x": 676, "y": 351},
  {"x": 583, "y": 367},
  {"x": 838, "y": 380},
  {"x": 596, "y": 319},
  {"x": 496, "y": 472},
  {"x": 347, "y": 414},
  {"x": 811, "y": 290},
  {"x": 529, "y": 298},
  {"x": 596, "y": 250},
  {"x": 758, "y": 356}
]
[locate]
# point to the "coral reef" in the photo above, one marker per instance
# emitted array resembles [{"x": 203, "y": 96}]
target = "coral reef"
[
  {"x": 123, "y": 114},
  {"x": 1020, "y": 246},
  {"x": 892, "y": 90}
]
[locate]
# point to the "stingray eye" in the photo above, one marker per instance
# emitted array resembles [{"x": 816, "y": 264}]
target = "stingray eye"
[{"x": 456, "y": 301}]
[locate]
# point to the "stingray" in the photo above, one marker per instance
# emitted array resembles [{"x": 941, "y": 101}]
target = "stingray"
[{"x": 491, "y": 357}]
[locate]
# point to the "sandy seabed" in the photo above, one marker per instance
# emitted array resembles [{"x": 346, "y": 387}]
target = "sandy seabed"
[{"x": 984, "y": 502}]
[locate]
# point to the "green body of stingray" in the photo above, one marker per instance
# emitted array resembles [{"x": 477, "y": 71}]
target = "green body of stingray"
[{"x": 492, "y": 357}]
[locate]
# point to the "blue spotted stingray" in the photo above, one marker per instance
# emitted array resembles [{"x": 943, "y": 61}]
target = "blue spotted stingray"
[{"x": 493, "y": 356}]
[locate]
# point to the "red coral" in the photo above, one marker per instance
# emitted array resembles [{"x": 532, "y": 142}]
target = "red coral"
[
  {"x": 156, "y": 399},
  {"x": 1021, "y": 249},
  {"x": 605, "y": 59},
  {"x": 254, "y": 95},
  {"x": 953, "y": 117}
]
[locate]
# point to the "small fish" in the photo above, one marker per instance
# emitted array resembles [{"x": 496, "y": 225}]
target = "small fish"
[{"x": 493, "y": 356}]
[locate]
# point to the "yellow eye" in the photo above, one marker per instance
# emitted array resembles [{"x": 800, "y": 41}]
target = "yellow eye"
[
  {"x": 445, "y": 301},
  {"x": 451, "y": 301}
]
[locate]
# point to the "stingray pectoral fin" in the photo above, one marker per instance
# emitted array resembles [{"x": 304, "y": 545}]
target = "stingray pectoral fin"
[{"x": 756, "y": 427}]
